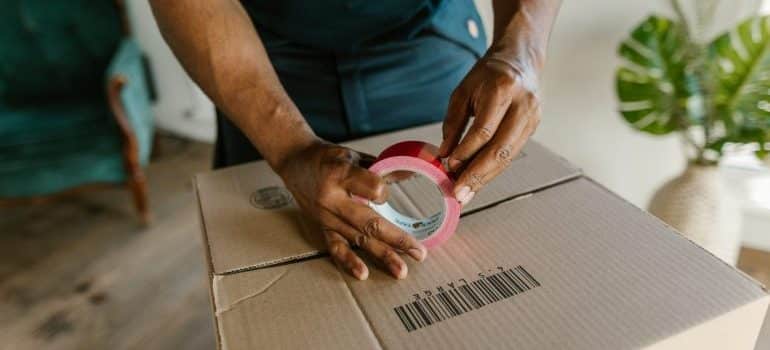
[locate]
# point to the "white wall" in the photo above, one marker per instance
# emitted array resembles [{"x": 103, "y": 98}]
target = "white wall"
[
  {"x": 580, "y": 118},
  {"x": 581, "y": 121},
  {"x": 181, "y": 107}
]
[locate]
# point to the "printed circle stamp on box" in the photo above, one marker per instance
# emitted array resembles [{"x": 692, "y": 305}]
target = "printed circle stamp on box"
[{"x": 273, "y": 197}]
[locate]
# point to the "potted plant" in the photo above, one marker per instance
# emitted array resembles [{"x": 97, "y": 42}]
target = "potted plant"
[{"x": 712, "y": 93}]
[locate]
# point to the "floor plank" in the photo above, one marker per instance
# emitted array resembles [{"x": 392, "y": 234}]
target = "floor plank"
[{"x": 756, "y": 263}]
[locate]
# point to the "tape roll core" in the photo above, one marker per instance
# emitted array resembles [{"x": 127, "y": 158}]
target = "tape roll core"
[{"x": 421, "y": 158}]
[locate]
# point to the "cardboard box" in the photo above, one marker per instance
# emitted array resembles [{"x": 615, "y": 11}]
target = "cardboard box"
[
  {"x": 764, "y": 335},
  {"x": 543, "y": 258}
]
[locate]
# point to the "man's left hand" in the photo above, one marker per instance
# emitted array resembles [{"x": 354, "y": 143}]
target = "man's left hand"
[{"x": 500, "y": 99}]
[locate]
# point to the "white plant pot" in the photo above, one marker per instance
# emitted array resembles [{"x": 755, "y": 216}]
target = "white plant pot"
[{"x": 698, "y": 204}]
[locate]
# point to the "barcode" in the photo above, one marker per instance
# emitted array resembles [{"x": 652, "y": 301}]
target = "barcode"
[{"x": 455, "y": 301}]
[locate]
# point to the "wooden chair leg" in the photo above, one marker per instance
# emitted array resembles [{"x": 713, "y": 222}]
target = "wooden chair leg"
[
  {"x": 156, "y": 147},
  {"x": 136, "y": 180},
  {"x": 137, "y": 184}
]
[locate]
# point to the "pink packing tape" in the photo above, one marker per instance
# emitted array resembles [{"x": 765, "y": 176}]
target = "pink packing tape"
[{"x": 421, "y": 158}]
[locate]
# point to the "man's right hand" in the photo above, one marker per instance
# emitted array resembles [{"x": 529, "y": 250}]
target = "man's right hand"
[
  {"x": 237, "y": 75},
  {"x": 325, "y": 179}
]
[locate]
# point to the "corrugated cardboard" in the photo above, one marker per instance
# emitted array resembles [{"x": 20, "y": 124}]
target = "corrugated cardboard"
[{"x": 543, "y": 258}]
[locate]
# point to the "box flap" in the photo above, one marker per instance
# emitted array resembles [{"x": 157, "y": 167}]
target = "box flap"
[
  {"x": 572, "y": 266},
  {"x": 294, "y": 306},
  {"x": 250, "y": 221}
]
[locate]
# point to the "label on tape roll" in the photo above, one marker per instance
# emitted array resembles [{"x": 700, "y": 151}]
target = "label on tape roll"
[{"x": 421, "y": 158}]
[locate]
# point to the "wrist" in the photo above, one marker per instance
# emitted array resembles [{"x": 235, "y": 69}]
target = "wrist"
[
  {"x": 522, "y": 38},
  {"x": 298, "y": 146},
  {"x": 520, "y": 68},
  {"x": 522, "y": 55},
  {"x": 276, "y": 129}
]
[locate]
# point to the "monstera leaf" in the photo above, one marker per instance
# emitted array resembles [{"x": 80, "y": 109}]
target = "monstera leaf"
[
  {"x": 742, "y": 96},
  {"x": 657, "y": 94}
]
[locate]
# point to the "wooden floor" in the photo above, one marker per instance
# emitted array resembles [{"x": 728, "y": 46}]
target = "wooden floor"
[
  {"x": 757, "y": 264},
  {"x": 82, "y": 273}
]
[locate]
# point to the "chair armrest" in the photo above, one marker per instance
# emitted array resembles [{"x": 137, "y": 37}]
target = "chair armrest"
[{"x": 128, "y": 95}]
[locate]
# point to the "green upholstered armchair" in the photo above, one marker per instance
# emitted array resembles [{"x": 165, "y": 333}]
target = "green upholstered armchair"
[{"x": 75, "y": 102}]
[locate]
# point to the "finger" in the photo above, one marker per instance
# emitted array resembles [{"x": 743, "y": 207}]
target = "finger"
[
  {"x": 455, "y": 121},
  {"x": 371, "y": 224},
  {"x": 366, "y": 184},
  {"x": 494, "y": 158},
  {"x": 398, "y": 176},
  {"x": 491, "y": 109},
  {"x": 343, "y": 256},
  {"x": 383, "y": 253}
]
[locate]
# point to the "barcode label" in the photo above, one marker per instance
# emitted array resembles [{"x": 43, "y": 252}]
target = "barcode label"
[{"x": 458, "y": 299}]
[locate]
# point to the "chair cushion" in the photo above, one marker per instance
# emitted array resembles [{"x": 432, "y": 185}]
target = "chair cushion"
[
  {"x": 56, "y": 120},
  {"x": 55, "y": 48},
  {"x": 50, "y": 148}
]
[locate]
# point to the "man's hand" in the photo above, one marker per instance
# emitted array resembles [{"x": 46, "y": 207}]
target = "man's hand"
[
  {"x": 506, "y": 111},
  {"x": 237, "y": 75},
  {"x": 500, "y": 94},
  {"x": 324, "y": 179}
]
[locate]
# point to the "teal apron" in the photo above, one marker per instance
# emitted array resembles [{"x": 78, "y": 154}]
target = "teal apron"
[{"x": 360, "y": 67}]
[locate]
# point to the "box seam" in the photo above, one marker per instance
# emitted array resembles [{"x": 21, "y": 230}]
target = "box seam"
[
  {"x": 361, "y": 310},
  {"x": 209, "y": 263},
  {"x": 297, "y": 258},
  {"x": 546, "y": 186},
  {"x": 321, "y": 254},
  {"x": 232, "y": 304}
]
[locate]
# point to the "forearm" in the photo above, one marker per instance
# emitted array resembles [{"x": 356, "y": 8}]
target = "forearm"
[
  {"x": 219, "y": 48},
  {"x": 521, "y": 32}
]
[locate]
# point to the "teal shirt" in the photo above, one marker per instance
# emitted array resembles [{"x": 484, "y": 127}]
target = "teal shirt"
[
  {"x": 347, "y": 25},
  {"x": 361, "y": 67}
]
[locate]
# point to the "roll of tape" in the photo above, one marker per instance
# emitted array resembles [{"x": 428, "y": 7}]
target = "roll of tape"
[{"x": 421, "y": 158}]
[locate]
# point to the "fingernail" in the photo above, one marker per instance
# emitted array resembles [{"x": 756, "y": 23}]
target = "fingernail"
[
  {"x": 361, "y": 273},
  {"x": 453, "y": 164},
  {"x": 462, "y": 194},
  {"x": 399, "y": 271},
  {"x": 468, "y": 199},
  {"x": 418, "y": 254}
]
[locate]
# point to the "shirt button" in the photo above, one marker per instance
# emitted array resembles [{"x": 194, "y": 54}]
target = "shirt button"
[{"x": 473, "y": 28}]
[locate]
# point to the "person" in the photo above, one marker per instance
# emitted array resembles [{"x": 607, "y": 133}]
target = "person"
[{"x": 293, "y": 77}]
